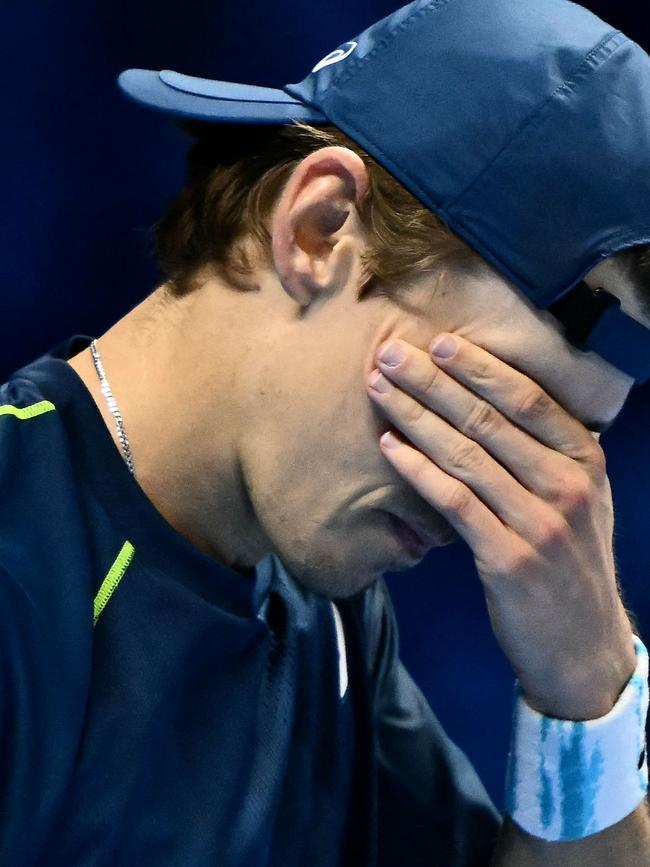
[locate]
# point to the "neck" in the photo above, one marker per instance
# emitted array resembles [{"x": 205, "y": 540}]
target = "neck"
[{"x": 178, "y": 409}]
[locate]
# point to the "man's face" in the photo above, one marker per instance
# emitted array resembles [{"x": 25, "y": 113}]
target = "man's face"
[{"x": 319, "y": 484}]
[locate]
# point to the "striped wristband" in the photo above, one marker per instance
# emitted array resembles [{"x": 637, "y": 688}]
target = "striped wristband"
[{"x": 567, "y": 780}]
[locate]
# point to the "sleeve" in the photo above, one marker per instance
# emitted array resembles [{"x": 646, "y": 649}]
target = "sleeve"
[
  {"x": 432, "y": 807},
  {"x": 42, "y": 702}
]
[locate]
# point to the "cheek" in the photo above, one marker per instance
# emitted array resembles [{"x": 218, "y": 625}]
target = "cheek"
[{"x": 309, "y": 450}]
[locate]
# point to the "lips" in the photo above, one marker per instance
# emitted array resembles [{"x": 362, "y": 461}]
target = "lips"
[
  {"x": 410, "y": 527},
  {"x": 418, "y": 543},
  {"x": 423, "y": 536}
]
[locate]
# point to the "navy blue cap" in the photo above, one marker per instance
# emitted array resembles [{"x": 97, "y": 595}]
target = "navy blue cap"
[{"x": 525, "y": 126}]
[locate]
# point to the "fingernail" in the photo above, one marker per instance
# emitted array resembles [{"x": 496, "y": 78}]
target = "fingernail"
[
  {"x": 389, "y": 440},
  {"x": 378, "y": 382},
  {"x": 392, "y": 354},
  {"x": 444, "y": 347}
]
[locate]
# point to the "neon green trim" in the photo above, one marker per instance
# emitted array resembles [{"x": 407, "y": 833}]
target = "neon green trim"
[
  {"x": 115, "y": 573},
  {"x": 27, "y": 411}
]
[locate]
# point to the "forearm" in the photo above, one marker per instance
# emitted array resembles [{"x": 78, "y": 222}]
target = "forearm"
[{"x": 626, "y": 844}]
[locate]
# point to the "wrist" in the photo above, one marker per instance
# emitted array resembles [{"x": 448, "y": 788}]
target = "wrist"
[
  {"x": 568, "y": 780},
  {"x": 588, "y": 692}
]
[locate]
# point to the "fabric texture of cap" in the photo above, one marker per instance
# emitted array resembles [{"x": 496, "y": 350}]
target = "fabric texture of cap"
[{"x": 524, "y": 125}]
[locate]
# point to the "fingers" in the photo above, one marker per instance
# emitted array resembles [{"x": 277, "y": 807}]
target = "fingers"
[
  {"x": 485, "y": 534},
  {"x": 466, "y": 461},
  {"x": 518, "y": 398}
]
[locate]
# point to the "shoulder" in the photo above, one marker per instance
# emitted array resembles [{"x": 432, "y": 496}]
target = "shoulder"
[
  {"x": 31, "y": 437},
  {"x": 43, "y": 537},
  {"x": 24, "y": 410}
]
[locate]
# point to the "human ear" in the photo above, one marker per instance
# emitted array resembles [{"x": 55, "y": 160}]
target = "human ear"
[{"x": 315, "y": 231}]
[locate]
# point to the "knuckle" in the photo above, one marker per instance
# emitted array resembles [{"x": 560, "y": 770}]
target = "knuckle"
[
  {"x": 533, "y": 404},
  {"x": 468, "y": 456},
  {"x": 414, "y": 412},
  {"x": 514, "y": 564},
  {"x": 576, "y": 495},
  {"x": 480, "y": 372},
  {"x": 519, "y": 562},
  {"x": 430, "y": 379},
  {"x": 459, "y": 500},
  {"x": 595, "y": 457},
  {"x": 483, "y": 420},
  {"x": 552, "y": 532}
]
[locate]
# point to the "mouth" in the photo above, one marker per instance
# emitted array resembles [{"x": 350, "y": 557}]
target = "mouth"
[{"x": 410, "y": 539}]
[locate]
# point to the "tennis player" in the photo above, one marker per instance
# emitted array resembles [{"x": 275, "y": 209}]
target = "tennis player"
[{"x": 400, "y": 301}]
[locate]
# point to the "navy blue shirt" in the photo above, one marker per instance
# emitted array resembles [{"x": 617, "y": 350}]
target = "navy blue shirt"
[{"x": 158, "y": 708}]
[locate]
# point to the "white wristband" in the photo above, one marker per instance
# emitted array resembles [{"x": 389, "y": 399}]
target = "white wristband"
[{"x": 567, "y": 780}]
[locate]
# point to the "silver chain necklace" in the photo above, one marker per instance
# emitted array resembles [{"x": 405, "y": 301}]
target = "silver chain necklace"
[{"x": 112, "y": 405}]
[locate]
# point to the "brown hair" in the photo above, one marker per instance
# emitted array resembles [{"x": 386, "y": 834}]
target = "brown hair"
[{"x": 235, "y": 174}]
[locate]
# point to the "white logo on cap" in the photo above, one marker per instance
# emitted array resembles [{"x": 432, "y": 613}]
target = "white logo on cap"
[{"x": 336, "y": 56}]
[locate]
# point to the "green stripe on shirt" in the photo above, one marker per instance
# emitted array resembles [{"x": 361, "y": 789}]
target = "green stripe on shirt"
[
  {"x": 27, "y": 411},
  {"x": 113, "y": 578}
]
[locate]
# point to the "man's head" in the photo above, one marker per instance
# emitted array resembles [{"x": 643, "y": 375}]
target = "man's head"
[
  {"x": 526, "y": 128},
  {"x": 521, "y": 134},
  {"x": 271, "y": 358}
]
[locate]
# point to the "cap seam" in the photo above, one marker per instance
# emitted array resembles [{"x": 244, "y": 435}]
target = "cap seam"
[
  {"x": 574, "y": 78},
  {"x": 394, "y": 168},
  {"x": 291, "y": 100},
  {"x": 357, "y": 62},
  {"x": 441, "y": 211},
  {"x": 466, "y": 233}
]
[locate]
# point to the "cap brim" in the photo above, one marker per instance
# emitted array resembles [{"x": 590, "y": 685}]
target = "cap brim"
[{"x": 207, "y": 99}]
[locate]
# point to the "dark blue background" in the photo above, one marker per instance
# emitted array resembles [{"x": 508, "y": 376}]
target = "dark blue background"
[{"x": 85, "y": 173}]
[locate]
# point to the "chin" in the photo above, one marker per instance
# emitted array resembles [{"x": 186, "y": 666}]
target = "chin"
[
  {"x": 340, "y": 565},
  {"x": 333, "y": 585},
  {"x": 329, "y": 573}
]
